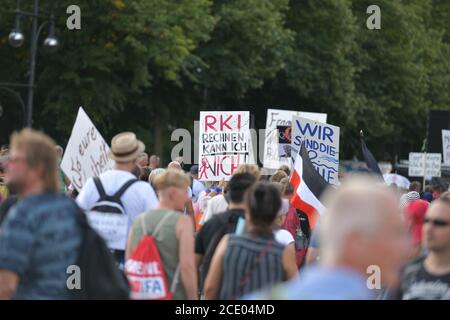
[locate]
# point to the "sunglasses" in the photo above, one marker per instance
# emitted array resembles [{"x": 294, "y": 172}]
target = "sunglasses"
[{"x": 437, "y": 222}]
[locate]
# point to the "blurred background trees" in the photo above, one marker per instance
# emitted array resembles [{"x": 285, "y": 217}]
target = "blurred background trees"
[{"x": 151, "y": 65}]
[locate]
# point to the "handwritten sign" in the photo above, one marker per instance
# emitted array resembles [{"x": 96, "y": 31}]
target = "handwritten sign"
[
  {"x": 86, "y": 153},
  {"x": 276, "y": 118},
  {"x": 322, "y": 143},
  {"x": 417, "y": 163},
  {"x": 112, "y": 227},
  {"x": 224, "y": 144},
  {"x": 446, "y": 146}
]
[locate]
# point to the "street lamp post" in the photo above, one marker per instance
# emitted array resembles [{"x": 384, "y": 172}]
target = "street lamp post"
[
  {"x": 16, "y": 39},
  {"x": 33, "y": 46},
  {"x": 19, "y": 99}
]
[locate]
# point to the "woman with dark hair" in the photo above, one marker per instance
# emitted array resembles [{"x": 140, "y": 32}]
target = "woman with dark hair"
[{"x": 255, "y": 260}]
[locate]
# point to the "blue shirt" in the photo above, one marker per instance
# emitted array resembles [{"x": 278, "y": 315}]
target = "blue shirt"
[
  {"x": 39, "y": 240},
  {"x": 314, "y": 241},
  {"x": 197, "y": 188},
  {"x": 320, "y": 283}
]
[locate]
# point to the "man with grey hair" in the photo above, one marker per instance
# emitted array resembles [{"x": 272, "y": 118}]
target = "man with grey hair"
[
  {"x": 143, "y": 160},
  {"x": 154, "y": 162},
  {"x": 363, "y": 246}
]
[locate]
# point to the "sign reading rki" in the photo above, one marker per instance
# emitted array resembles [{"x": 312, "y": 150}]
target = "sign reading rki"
[{"x": 231, "y": 122}]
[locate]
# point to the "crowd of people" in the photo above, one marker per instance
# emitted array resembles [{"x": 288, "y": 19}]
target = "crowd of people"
[{"x": 236, "y": 239}]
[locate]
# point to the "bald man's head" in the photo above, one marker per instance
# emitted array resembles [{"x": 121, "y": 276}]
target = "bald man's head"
[
  {"x": 362, "y": 227},
  {"x": 175, "y": 165}
]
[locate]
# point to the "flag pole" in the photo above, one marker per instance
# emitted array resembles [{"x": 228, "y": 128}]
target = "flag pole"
[{"x": 424, "y": 149}]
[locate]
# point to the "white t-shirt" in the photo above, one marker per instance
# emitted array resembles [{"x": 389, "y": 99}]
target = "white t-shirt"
[
  {"x": 138, "y": 198},
  {"x": 283, "y": 236}
]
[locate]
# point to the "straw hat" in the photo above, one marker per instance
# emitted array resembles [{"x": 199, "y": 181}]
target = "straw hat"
[{"x": 125, "y": 147}]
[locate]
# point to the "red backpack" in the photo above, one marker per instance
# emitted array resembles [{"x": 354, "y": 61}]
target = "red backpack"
[{"x": 144, "y": 269}]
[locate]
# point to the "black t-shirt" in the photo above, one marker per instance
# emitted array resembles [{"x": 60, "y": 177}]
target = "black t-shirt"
[
  {"x": 206, "y": 233},
  {"x": 425, "y": 286}
]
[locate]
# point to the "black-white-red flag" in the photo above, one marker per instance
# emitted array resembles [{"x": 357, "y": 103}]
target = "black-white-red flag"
[{"x": 309, "y": 186}]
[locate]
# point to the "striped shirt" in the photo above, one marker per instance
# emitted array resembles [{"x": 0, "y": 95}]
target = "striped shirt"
[{"x": 242, "y": 273}]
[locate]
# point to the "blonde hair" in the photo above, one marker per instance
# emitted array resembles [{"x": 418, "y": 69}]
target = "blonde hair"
[
  {"x": 286, "y": 169},
  {"x": 40, "y": 153},
  {"x": 171, "y": 178},
  {"x": 278, "y": 176},
  {"x": 253, "y": 169}
]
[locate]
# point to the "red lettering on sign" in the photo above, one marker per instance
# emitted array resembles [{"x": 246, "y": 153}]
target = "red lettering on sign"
[
  {"x": 225, "y": 123},
  {"x": 210, "y": 121},
  {"x": 222, "y": 123}
]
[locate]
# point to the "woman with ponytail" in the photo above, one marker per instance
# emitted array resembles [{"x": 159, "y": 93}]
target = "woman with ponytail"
[{"x": 254, "y": 260}]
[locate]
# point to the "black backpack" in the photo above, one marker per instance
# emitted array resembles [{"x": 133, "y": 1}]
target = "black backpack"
[
  {"x": 100, "y": 277},
  {"x": 107, "y": 203},
  {"x": 303, "y": 236},
  {"x": 227, "y": 225}
]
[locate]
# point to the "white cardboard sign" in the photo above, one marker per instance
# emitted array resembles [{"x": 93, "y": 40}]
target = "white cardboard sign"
[
  {"x": 224, "y": 143},
  {"x": 322, "y": 143},
  {"x": 276, "y": 118},
  {"x": 417, "y": 168},
  {"x": 86, "y": 154}
]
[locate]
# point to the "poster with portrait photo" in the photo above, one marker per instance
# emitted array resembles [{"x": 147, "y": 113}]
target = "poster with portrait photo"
[{"x": 284, "y": 141}]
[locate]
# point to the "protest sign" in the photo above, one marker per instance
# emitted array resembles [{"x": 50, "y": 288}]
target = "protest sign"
[
  {"x": 112, "y": 227},
  {"x": 284, "y": 141},
  {"x": 417, "y": 166},
  {"x": 322, "y": 143},
  {"x": 224, "y": 143},
  {"x": 86, "y": 153},
  {"x": 273, "y": 159},
  {"x": 446, "y": 146}
]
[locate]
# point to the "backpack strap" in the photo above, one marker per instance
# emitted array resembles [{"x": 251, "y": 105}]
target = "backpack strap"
[
  {"x": 176, "y": 277},
  {"x": 157, "y": 228},
  {"x": 100, "y": 189},
  {"x": 122, "y": 190}
]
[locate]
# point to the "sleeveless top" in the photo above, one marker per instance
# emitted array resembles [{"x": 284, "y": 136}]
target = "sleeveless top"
[
  {"x": 242, "y": 274},
  {"x": 165, "y": 240}
]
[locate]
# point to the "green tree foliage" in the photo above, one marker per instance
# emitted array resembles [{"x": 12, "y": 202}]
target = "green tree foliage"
[
  {"x": 151, "y": 65},
  {"x": 401, "y": 74},
  {"x": 122, "y": 50},
  {"x": 320, "y": 70},
  {"x": 248, "y": 46}
]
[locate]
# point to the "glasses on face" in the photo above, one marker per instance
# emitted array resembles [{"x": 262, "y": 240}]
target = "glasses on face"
[{"x": 437, "y": 222}]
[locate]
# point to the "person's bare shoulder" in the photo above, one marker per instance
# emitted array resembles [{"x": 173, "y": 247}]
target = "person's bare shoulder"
[{"x": 184, "y": 224}]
